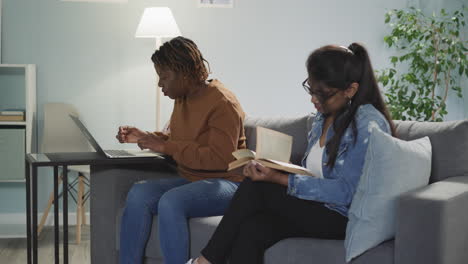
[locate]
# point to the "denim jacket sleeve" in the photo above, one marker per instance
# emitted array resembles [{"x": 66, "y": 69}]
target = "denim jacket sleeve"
[{"x": 340, "y": 185}]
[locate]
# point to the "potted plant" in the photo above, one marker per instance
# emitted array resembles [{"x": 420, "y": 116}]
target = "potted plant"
[{"x": 431, "y": 62}]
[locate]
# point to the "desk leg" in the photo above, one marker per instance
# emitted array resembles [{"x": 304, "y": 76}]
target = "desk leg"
[
  {"x": 56, "y": 216},
  {"x": 34, "y": 213},
  {"x": 65, "y": 214},
  {"x": 28, "y": 210}
]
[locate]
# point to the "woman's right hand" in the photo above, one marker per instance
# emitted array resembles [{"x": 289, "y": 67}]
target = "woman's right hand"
[
  {"x": 258, "y": 172},
  {"x": 129, "y": 134}
]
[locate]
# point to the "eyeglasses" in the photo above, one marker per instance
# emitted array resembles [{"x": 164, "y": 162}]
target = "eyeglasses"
[{"x": 321, "y": 96}]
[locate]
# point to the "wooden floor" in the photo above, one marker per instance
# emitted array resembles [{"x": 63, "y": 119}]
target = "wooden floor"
[{"x": 13, "y": 250}]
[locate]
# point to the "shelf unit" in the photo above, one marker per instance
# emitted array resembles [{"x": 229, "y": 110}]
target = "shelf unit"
[{"x": 17, "y": 91}]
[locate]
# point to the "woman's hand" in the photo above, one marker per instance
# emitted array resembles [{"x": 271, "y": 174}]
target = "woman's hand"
[
  {"x": 129, "y": 134},
  {"x": 258, "y": 172},
  {"x": 152, "y": 142},
  {"x": 161, "y": 135}
]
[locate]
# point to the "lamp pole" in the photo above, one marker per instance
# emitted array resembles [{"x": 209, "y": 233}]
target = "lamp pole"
[{"x": 158, "y": 93}]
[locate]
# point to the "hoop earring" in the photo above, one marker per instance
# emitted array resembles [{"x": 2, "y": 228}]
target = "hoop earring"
[{"x": 350, "y": 101}]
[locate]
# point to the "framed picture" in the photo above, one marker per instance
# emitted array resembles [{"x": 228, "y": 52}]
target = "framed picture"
[{"x": 216, "y": 3}]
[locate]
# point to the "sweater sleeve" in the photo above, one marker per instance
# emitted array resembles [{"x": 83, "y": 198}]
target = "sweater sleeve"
[{"x": 223, "y": 127}]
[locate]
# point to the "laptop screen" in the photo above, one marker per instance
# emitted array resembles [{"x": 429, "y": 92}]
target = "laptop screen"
[{"x": 87, "y": 134}]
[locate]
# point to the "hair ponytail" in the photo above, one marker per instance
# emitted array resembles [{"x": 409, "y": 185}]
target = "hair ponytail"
[{"x": 368, "y": 81}]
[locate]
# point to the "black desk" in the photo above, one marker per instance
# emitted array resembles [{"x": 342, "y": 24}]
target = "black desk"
[{"x": 56, "y": 160}]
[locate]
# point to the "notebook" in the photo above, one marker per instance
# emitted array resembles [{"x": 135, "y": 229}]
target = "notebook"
[{"x": 113, "y": 154}]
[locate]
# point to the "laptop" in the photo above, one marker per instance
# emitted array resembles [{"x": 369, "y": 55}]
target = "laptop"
[{"x": 113, "y": 154}]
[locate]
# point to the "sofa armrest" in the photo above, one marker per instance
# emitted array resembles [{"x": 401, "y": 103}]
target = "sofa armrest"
[
  {"x": 432, "y": 224},
  {"x": 109, "y": 187}
]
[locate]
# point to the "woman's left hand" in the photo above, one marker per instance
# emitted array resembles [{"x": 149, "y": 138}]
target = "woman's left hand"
[
  {"x": 152, "y": 142},
  {"x": 258, "y": 172}
]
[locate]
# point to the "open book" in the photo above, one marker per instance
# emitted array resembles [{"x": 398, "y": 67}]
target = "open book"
[{"x": 273, "y": 150}]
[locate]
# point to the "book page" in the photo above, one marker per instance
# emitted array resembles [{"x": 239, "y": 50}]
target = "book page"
[
  {"x": 286, "y": 167},
  {"x": 273, "y": 145},
  {"x": 238, "y": 163},
  {"x": 243, "y": 153}
]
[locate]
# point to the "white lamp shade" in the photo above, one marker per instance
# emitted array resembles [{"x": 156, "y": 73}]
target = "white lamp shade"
[{"x": 157, "y": 22}]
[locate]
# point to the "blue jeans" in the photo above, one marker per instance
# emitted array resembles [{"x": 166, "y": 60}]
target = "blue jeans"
[{"x": 174, "y": 200}]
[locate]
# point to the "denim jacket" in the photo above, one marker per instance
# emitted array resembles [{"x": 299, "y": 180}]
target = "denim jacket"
[{"x": 338, "y": 185}]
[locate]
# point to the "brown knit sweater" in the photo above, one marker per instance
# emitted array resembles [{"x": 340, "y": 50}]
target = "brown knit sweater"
[{"x": 204, "y": 131}]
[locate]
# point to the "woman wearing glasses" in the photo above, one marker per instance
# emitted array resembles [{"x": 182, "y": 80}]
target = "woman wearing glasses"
[{"x": 271, "y": 205}]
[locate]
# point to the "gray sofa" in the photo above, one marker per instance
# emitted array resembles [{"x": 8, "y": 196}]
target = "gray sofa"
[{"x": 432, "y": 222}]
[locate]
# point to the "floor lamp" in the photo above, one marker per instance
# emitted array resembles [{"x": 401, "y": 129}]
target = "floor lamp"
[{"x": 157, "y": 23}]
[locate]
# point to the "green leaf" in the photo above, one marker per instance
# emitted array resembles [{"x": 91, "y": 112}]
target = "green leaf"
[{"x": 387, "y": 18}]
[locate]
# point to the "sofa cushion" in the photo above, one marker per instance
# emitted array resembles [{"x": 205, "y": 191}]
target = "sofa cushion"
[
  {"x": 392, "y": 167},
  {"x": 310, "y": 250},
  {"x": 201, "y": 230},
  {"x": 449, "y": 145},
  {"x": 297, "y": 127}
]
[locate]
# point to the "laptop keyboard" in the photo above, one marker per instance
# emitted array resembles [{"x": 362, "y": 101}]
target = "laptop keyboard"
[{"x": 117, "y": 152}]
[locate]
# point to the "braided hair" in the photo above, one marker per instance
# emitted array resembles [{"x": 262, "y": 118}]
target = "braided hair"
[{"x": 182, "y": 55}]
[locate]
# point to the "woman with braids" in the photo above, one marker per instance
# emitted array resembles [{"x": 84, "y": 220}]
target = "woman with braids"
[
  {"x": 270, "y": 205},
  {"x": 206, "y": 126}
]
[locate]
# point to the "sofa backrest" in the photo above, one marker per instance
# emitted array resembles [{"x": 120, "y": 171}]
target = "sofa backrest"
[
  {"x": 449, "y": 142},
  {"x": 297, "y": 127}
]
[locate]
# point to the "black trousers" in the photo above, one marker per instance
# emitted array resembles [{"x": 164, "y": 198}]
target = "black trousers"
[{"x": 261, "y": 214}]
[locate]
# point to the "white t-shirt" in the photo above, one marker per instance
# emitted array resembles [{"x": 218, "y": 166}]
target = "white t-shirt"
[{"x": 314, "y": 159}]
